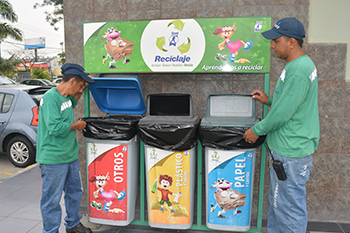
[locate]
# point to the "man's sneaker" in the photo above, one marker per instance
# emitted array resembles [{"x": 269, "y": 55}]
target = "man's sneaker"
[{"x": 79, "y": 229}]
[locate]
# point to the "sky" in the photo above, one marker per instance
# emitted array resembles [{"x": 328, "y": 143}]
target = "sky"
[{"x": 32, "y": 23}]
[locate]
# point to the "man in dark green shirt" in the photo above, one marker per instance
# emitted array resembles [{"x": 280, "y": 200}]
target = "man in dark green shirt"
[
  {"x": 57, "y": 151},
  {"x": 292, "y": 126}
]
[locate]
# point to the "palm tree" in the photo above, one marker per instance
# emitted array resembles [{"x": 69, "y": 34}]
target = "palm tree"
[
  {"x": 7, "y": 13},
  {"x": 7, "y": 66}
]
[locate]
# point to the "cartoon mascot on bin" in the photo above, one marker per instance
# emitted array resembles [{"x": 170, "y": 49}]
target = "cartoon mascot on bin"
[
  {"x": 165, "y": 182},
  {"x": 100, "y": 182},
  {"x": 226, "y": 198}
]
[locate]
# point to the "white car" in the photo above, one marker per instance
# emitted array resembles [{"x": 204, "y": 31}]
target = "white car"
[{"x": 57, "y": 81}]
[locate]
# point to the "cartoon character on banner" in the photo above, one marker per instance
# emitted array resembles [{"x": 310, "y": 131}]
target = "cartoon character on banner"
[
  {"x": 100, "y": 182},
  {"x": 165, "y": 182},
  {"x": 226, "y": 33},
  {"x": 117, "y": 47},
  {"x": 226, "y": 198}
]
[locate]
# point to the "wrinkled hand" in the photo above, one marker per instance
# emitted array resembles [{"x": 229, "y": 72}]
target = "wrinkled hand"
[
  {"x": 79, "y": 125},
  {"x": 261, "y": 96},
  {"x": 249, "y": 136}
]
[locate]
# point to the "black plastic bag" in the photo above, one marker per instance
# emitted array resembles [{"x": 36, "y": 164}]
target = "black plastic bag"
[
  {"x": 111, "y": 127},
  {"x": 170, "y": 136},
  {"x": 226, "y": 138}
]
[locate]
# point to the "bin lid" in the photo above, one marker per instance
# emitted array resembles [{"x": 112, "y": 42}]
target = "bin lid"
[
  {"x": 230, "y": 110},
  {"x": 170, "y": 104},
  {"x": 118, "y": 94}
]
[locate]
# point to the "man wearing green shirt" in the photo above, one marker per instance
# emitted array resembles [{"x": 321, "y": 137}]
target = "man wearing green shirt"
[
  {"x": 292, "y": 126},
  {"x": 57, "y": 151}
]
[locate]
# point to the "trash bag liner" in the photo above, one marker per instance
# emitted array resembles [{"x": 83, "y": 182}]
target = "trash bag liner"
[
  {"x": 226, "y": 138},
  {"x": 170, "y": 134},
  {"x": 119, "y": 127}
]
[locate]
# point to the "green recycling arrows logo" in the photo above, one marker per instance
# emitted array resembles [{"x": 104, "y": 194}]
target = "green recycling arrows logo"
[
  {"x": 173, "y": 39},
  {"x": 172, "y": 45}
]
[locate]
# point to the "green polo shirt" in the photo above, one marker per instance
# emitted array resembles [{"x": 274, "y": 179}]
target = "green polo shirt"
[
  {"x": 56, "y": 144},
  {"x": 292, "y": 124}
]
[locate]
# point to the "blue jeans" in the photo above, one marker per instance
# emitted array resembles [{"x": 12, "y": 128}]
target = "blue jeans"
[
  {"x": 56, "y": 180},
  {"x": 287, "y": 211}
]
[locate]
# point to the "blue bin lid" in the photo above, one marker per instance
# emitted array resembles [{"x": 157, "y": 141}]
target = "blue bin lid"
[{"x": 118, "y": 94}]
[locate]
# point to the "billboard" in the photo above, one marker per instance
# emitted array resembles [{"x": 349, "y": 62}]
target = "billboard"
[
  {"x": 177, "y": 45},
  {"x": 34, "y": 43}
]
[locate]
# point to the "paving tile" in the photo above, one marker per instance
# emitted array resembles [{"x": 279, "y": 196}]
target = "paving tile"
[
  {"x": 15, "y": 225},
  {"x": 29, "y": 211}
]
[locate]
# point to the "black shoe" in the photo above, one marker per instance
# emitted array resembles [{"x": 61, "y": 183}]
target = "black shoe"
[{"x": 79, "y": 229}]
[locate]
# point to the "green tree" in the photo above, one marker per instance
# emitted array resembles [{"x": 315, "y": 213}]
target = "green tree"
[
  {"x": 56, "y": 15},
  {"x": 62, "y": 58},
  {"x": 6, "y": 30},
  {"x": 39, "y": 73},
  {"x": 7, "y": 66}
]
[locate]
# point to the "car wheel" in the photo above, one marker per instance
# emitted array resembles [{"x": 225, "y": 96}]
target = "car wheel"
[{"x": 21, "y": 151}]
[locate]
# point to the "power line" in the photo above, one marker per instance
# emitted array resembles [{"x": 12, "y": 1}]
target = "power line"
[{"x": 39, "y": 29}]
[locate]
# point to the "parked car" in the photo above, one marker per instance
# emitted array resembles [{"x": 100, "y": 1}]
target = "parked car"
[
  {"x": 6, "y": 81},
  {"x": 38, "y": 82},
  {"x": 19, "y": 115},
  {"x": 57, "y": 81}
]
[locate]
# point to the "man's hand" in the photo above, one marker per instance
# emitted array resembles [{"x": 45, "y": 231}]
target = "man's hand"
[
  {"x": 79, "y": 125},
  {"x": 249, "y": 136},
  {"x": 261, "y": 96}
]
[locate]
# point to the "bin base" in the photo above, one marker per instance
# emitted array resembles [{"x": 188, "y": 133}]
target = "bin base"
[
  {"x": 170, "y": 226},
  {"x": 110, "y": 222},
  {"x": 228, "y": 228}
]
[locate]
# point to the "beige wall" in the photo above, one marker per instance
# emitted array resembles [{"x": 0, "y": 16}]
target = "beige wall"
[{"x": 329, "y": 23}]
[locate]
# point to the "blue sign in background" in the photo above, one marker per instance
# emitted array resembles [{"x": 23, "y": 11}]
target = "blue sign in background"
[{"x": 242, "y": 181}]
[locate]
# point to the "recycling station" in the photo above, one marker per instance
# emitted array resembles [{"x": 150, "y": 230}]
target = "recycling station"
[{"x": 148, "y": 147}]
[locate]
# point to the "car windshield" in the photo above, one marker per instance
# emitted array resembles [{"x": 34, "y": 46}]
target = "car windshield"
[
  {"x": 6, "y": 81},
  {"x": 48, "y": 82}
]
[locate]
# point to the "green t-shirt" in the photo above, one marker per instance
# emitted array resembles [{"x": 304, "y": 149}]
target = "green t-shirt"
[
  {"x": 56, "y": 144},
  {"x": 292, "y": 124}
]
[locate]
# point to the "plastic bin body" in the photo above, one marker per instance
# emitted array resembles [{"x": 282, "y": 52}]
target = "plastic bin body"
[
  {"x": 180, "y": 166},
  {"x": 229, "y": 161},
  {"x": 113, "y": 167},
  {"x": 229, "y": 189},
  {"x": 169, "y": 132},
  {"x": 113, "y": 149}
]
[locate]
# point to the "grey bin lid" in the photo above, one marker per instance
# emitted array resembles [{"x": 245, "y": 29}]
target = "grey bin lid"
[{"x": 235, "y": 110}]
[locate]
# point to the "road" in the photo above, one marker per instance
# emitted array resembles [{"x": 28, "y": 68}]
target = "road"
[{"x": 7, "y": 169}]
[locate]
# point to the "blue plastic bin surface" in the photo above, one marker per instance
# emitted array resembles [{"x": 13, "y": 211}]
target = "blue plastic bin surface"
[{"x": 118, "y": 94}]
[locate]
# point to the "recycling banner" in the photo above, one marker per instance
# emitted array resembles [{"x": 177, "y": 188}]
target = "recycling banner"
[{"x": 177, "y": 45}]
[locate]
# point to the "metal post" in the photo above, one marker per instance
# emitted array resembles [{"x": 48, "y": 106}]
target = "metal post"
[
  {"x": 262, "y": 162},
  {"x": 142, "y": 181},
  {"x": 199, "y": 184}
]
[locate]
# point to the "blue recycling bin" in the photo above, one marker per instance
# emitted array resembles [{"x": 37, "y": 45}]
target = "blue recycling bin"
[{"x": 229, "y": 161}]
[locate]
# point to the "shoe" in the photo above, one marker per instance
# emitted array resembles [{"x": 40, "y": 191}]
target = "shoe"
[
  {"x": 162, "y": 210},
  {"x": 79, "y": 229},
  {"x": 248, "y": 45}
]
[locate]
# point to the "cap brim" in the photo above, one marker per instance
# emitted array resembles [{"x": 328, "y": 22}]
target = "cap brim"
[
  {"x": 271, "y": 34},
  {"x": 87, "y": 78}
]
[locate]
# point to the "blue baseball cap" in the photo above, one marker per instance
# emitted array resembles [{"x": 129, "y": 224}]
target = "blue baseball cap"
[
  {"x": 290, "y": 27},
  {"x": 71, "y": 68}
]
